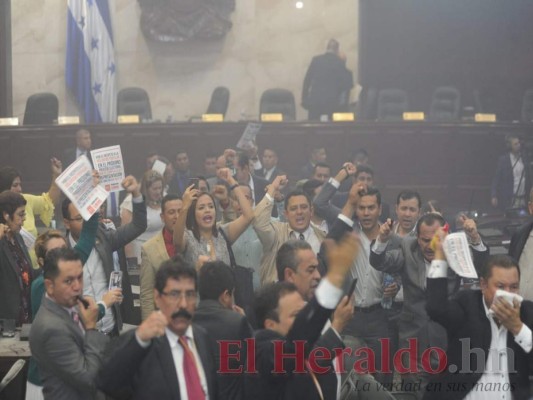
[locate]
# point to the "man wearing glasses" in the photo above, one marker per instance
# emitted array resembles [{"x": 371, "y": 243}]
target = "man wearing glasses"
[
  {"x": 98, "y": 267},
  {"x": 166, "y": 357}
]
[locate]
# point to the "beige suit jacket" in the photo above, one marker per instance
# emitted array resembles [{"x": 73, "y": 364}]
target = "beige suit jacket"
[
  {"x": 272, "y": 235},
  {"x": 153, "y": 253}
]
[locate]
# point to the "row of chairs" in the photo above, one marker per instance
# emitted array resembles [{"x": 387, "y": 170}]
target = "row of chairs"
[
  {"x": 389, "y": 104},
  {"x": 43, "y": 108},
  {"x": 445, "y": 105}
]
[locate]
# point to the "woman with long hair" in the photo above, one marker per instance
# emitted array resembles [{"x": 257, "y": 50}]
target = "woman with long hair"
[
  {"x": 152, "y": 190},
  {"x": 196, "y": 234}
]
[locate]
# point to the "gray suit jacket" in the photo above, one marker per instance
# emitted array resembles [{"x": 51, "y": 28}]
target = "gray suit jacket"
[
  {"x": 414, "y": 321},
  {"x": 68, "y": 360}
]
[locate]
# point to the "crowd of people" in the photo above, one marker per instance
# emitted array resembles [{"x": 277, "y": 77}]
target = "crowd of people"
[{"x": 254, "y": 287}]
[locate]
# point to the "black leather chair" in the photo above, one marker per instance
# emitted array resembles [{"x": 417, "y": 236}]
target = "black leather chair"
[
  {"x": 134, "y": 101},
  {"x": 527, "y": 106},
  {"x": 392, "y": 103},
  {"x": 367, "y": 105},
  {"x": 278, "y": 101},
  {"x": 445, "y": 104},
  {"x": 219, "y": 101},
  {"x": 41, "y": 108},
  {"x": 486, "y": 100}
]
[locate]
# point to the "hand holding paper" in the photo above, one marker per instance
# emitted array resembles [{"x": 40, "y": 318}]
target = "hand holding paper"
[
  {"x": 109, "y": 163},
  {"x": 77, "y": 184},
  {"x": 455, "y": 250}
]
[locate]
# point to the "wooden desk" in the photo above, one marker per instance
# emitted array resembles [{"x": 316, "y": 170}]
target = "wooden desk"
[{"x": 451, "y": 162}]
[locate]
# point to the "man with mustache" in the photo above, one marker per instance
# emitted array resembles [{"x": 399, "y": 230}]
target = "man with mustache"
[{"x": 166, "y": 357}]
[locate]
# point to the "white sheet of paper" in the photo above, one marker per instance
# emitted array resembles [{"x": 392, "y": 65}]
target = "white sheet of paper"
[
  {"x": 110, "y": 165},
  {"x": 457, "y": 252},
  {"x": 29, "y": 239},
  {"x": 159, "y": 167},
  {"x": 247, "y": 139},
  {"x": 77, "y": 184}
]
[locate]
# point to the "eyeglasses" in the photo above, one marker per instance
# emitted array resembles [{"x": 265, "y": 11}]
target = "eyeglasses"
[{"x": 176, "y": 295}]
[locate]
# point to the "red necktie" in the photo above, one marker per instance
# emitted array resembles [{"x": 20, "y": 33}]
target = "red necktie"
[
  {"x": 77, "y": 321},
  {"x": 190, "y": 371}
]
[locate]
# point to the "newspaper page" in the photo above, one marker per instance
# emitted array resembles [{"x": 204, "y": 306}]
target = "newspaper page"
[
  {"x": 457, "y": 252},
  {"x": 77, "y": 184},
  {"x": 109, "y": 164},
  {"x": 159, "y": 167},
  {"x": 247, "y": 139}
]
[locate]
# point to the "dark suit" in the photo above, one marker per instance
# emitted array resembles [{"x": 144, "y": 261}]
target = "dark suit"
[
  {"x": 221, "y": 324},
  {"x": 180, "y": 182},
  {"x": 502, "y": 184},
  {"x": 150, "y": 373},
  {"x": 68, "y": 360},
  {"x": 260, "y": 185},
  {"x": 270, "y": 386},
  {"x": 325, "y": 84},
  {"x": 109, "y": 241},
  {"x": 10, "y": 290},
  {"x": 519, "y": 239},
  {"x": 261, "y": 173},
  {"x": 307, "y": 171},
  {"x": 465, "y": 317},
  {"x": 69, "y": 156}
]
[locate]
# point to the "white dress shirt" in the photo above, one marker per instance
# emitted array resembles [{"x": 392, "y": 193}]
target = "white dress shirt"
[
  {"x": 496, "y": 372},
  {"x": 177, "y": 355},
  {"x": 309, "y": 236},
  {"x": 518, "y": 179},
  {"x": 268, "y": 172}
]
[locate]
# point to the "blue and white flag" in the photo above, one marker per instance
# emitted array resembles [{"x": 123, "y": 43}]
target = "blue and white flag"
[{"x": 90, "y": 65}]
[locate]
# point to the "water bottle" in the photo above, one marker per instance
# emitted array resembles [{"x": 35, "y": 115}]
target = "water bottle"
[{"x": 386, "y": 302}]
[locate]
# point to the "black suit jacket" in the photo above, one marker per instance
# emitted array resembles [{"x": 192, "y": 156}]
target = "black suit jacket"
[
  {"x": 270, "y": 386},
  {"x": 147, "y": 374},
  {"x": 260, "y": 185},
  {"x": 69, "y": 156},
  {"x": 325, "y": 82},
  {"x": 276, "y": 172},
  {"x": 222, "y": 324},
  {"x": 519, "y": 239},
  {"x": 502, "y": 184},
  {"x": 10, "y": 292},
  {"x": 464, "y": 318},
  {"x": 179, "y": 182}
]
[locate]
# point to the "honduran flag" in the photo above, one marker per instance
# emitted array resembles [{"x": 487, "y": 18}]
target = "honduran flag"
[{"x": 90, "y": 62}]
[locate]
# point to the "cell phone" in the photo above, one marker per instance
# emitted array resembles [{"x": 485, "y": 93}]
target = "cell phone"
[
  {"x": 193, "y": 181},
  {"x": 352, "y": 288},
  {"x": 84, "y": 302},
  {"x": 115, "y": 281}
]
